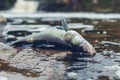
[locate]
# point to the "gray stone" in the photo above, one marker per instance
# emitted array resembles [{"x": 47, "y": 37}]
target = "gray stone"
[
  {"x": 6, "y": 52},
  {"x": 34, "y": 63}
]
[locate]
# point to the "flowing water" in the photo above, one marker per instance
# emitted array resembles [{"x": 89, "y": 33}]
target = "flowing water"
[
  {"x": 103, "y": 65},
  {"x": 105, "y": 37},
  {"x": 25, "y": 6}
]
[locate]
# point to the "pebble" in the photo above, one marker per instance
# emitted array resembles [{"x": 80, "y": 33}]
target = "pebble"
[
  {"x": 72, "y": 75},
  {"x": 28, "y": 74},
  {"x": 112, "y": 56},
  {"x": 104, "y": 32},
  {"x": 114, "y": 67},
  {"x": 107, "y": 53}
]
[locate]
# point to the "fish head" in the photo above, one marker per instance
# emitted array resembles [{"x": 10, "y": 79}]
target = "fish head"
[{"x": 75, "y": 39}]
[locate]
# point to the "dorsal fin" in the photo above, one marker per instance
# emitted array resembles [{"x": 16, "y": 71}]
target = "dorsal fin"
[{"x": 64, "y": 24}]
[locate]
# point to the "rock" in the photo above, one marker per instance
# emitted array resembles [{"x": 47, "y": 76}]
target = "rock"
[
  {"x": 63, "y": 55},
  {"x": 3, "y": 20},
  {"x": 6, "y": 52},
  {"x": 72, "y": 75},
  {"x": 112, "y": 56},
  {"x": 107, "y": 53},
  {"x": 38, "y": 62},
  {"x": 43, "y": 64},
  {"x": 113, "y": 67}
]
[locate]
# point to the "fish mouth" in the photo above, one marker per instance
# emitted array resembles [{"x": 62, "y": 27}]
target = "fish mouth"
[
  {"x": 77, "y": 41},
  {"x": 88, "y": 48}
]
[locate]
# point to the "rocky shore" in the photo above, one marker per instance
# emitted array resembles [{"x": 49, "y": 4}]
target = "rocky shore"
[{"x": 42, "y": 64}]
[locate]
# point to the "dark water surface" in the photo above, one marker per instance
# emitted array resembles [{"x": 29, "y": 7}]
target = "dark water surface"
[{"x": 105, "y": 37}]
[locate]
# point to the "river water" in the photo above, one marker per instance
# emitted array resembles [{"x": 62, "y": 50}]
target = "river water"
[
  {"x": 105, "y": 64},
  {"x": 88, "y": 15},
  {"x": 104, "y": 36}
]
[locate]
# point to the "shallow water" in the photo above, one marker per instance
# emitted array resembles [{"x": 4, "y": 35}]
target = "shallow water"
[
  {"x": 94, "y": 68},
  {"x": 105, "y": 64},
  {"x": 87, "y": 15}
]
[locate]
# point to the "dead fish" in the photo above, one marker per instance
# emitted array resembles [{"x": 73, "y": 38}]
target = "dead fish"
[{"x": 70, "y": 40}]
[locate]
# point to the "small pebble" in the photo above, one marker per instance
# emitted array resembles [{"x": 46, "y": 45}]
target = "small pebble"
[
  {"x": 113, "y": 67},
  {"x": 28, "y": 74},
  {"x": 104, "y": 32},
  {"x": 72, "y": 75},
  {"x": 98, "y": 32},
  {"x": 112, "y": 56}
]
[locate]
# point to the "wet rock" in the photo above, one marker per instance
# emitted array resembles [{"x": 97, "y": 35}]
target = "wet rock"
[
  {"x": 72, "y": 75},
  {"x": 112, "y": 56},
  {"x": 103, "y": 77},
  {"x": 107, "y": 53},
  {"x": 3, "y": 20},
  {"x": 38, "y": 62},
  {"x": 43, "y": 64},
  {"x": 6, "y": 52},
  {"x": 113, "y": 67}
]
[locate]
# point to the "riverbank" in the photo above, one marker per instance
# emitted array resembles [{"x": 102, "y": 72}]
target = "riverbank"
[{"x": 43, "y": 65}]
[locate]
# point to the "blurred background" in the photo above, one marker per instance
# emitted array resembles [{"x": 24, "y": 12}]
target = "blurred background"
[{"x": 60, "y": 5}]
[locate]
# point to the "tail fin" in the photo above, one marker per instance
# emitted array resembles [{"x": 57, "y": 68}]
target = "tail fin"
[{"x": 11, "y": 43}]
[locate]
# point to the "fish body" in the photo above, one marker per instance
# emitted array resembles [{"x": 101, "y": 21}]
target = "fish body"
[{"x": 57, "y": 38}]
